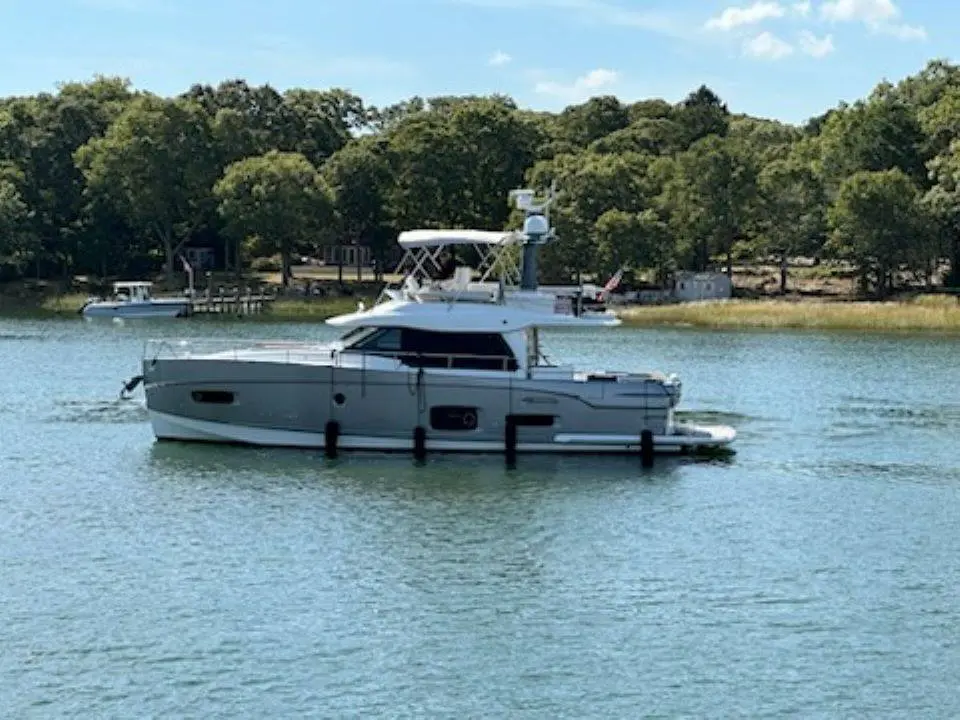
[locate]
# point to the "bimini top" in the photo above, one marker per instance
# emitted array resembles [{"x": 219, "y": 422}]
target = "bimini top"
[
  {"x": 462, "y": 317},
  {"x": 438, "y": 238}
]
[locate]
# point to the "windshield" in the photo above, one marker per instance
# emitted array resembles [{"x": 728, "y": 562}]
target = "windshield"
[{"x": 357, "y": 335}]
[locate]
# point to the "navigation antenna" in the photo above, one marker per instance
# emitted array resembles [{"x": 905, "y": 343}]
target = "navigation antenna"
[{"x": 536, "y": 229}]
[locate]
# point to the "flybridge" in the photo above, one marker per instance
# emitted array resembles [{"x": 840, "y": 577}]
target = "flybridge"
[
  {"x": 424, "y": 250},
  {"x": 506, "y": 261}
]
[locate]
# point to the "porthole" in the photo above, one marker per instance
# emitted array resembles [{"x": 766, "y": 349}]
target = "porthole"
[{"x": 212, "y": 397}]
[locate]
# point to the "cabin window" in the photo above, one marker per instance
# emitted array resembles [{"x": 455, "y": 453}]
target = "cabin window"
[
  {"x": 386, "y": 340},
  {"x": 468, "y": 351},
  {"x": 351, "y": 337},
  {"x": 423, "y": 348},
  {"x": 212, "y": 397}
]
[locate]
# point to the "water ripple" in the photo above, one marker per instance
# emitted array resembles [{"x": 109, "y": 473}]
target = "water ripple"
[
  {"x": 98, "y": 411},
  {"x": 814, "y": 573}
]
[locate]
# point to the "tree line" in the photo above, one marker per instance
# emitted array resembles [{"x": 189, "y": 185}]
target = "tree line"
[{"x": 99, "y": 178}]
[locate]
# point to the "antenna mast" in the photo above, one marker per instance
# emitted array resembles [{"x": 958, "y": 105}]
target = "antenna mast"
[{"x": 536, "y": 229}]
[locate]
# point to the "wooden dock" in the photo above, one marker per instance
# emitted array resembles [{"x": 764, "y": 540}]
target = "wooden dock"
[{"x": 230, "y": 304}]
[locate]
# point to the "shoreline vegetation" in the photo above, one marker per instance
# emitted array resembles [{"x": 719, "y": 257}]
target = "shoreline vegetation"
[
  {"x": 921, "y": 313},
  {"x": 924, "y": 313},
  {"x": 283, "y": 309},
  {"x": 103, "y": 180}
]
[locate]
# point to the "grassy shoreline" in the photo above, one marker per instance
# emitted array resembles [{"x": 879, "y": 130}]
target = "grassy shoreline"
[
  {"x": 42, "y": 305},
  {"x": 280, "y": 310},
  {"x": 930, "y": 313},
  {"x": 301, "y": 310}
]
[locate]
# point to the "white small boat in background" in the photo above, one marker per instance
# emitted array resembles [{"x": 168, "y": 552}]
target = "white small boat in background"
[{"x": 133, "y": 299}]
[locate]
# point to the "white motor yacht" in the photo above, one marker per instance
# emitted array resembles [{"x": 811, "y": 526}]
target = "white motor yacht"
[{"x": 435, "y": 365}]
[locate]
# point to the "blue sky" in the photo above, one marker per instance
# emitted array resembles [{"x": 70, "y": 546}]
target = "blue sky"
[{"x": 787, "y": 60}]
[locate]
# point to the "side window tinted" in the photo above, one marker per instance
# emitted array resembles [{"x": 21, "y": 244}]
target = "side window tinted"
[
  {"x": 384, "y": 340},
  {"x": 476, "y": 351},
  {"x": 421, "y": 348}
]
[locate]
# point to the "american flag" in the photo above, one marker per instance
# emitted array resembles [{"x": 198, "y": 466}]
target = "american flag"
[{"x": 613, "y": 282}]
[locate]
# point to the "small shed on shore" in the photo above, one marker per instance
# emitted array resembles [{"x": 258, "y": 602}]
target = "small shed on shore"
[{"x": 690, "y": 286}]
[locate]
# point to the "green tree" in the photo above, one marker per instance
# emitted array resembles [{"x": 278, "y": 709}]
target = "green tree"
[
  {"x": 40, "y": 134},
  {"x": 455, "y": 168},
  {"x": 358, "y": 176},
  {"x": 582, "y": 124},
  {"x": 877, "y": 224},
  {"x": 651, "y": 136},
  {"x": 322, "y": 121},
  {"x": 701, "y": 114},
  {"x": 880, "y": 134},
  {"x": 792, "y": 218},
  {"x": 156, "y": 165},
  {"x": 711, "y": 200},
  {"x": 633, "y": 241},
  {"x": 654, "y": 109},
  {"x": 278, "y": 198},
  {"x": 18, "y": 242},
  {"x": 943, "y": 204},
  {"x": 589, "y": 186}
]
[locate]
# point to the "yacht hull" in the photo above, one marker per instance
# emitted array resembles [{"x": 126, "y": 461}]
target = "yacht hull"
[
  {"x": 288, "y": 404},
  {"x": 683, "y": 438}
]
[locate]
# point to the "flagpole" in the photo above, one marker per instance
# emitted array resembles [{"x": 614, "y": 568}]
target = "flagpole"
[{"x": 189, "y": 268}]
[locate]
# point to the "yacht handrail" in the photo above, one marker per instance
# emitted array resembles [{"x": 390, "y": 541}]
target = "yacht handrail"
[
  {"x": 181, "y": 348},
  {"x": 400, "y": 355},
  {"x": 299, "y": 351}
]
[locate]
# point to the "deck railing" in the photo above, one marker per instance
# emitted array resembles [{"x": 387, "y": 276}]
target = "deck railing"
[
  {"x": 450, "y": 361},
  {"x": 299, "y": 352},
  {"x": 182, "y": 349}
]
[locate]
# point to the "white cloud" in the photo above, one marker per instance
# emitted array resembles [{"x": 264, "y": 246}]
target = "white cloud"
[
  {"x": 802, "y": 8},
  {"x": 813, "y": 46},
  {"x": 767, "y": 46},
  {"x": 880, "y": 16},
  {"x": 867, "y": 11},
  {"x": 595, "y": 82},
  {"x": 734, "y": 17},
  {"x": 499, "y": 58}
]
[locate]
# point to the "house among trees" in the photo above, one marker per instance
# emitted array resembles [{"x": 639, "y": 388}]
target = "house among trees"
[
  {"x": 688, "y": 286},
  {"x": 347, "y": 255},
  {"x": 200, "y": 258}
]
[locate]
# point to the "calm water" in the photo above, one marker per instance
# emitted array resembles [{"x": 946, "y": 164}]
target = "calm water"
[{"x": 816, "y": 573}]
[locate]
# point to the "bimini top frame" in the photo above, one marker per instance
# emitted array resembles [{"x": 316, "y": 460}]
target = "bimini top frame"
[
  {"x": 506, "y": 259},
  {"x": 497, "y": 266},
  {"x": 423, "y": 250}
]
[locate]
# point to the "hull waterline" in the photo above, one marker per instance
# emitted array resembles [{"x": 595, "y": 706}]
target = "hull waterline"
[{"x": 682, "y": 438}]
